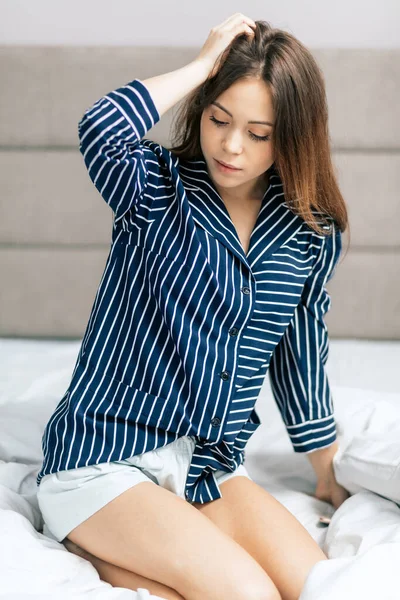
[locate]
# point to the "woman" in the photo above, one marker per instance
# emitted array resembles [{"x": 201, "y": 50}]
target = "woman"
[{"x": 215, "y": 277}]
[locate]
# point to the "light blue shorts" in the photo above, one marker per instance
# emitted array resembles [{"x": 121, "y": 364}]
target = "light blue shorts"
[{"x": 67, "y": 498}]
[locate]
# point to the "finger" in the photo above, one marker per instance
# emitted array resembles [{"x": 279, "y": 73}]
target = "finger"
[
  {"x": 238, "y": 17},
  {"x": 249, "y": 30},
  {"x": 246, "y": 19},
  {"x": 243, "y": 27},
  {"x": 230, "y": 19},
  {"x": 235, "y": 16}
]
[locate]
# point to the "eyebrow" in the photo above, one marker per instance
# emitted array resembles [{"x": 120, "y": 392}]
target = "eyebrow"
[{"x": 227, "y": 111}]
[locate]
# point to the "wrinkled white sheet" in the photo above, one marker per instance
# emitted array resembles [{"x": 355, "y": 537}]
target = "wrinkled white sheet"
[
  {"x": 33, "y": 565},
  {"x": 362, "y": 540},
  {"x": 363, "y": 545}
]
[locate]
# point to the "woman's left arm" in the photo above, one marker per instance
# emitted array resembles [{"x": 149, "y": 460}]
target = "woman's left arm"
[{"x": 298, "y": 377}]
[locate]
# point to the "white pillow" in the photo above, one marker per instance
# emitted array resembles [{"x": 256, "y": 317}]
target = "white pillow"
[{"x": 369, "y": 457}]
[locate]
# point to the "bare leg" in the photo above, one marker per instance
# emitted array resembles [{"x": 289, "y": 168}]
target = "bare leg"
[
  {"x": 268, "y": 531},
  {"x": 154, "y": 533},
  {"x": 119, "y": 577}
]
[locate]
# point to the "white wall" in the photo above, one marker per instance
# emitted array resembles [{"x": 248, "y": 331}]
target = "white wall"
[{"x": 317, "y": 23}]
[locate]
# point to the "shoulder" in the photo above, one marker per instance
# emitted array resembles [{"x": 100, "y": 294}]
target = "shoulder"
[
  {"x": 326, "y": 221},
  {"x": 329, "y": 247},
  {"x": 329, "y": 242}
]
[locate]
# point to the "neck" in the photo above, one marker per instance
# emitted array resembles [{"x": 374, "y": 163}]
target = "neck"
[{"x": 240, "y": 194}]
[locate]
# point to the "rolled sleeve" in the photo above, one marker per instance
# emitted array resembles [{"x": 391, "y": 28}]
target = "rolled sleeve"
[
  {"x": 110, "y": 131},
  {"x": 297, "y": 368}
]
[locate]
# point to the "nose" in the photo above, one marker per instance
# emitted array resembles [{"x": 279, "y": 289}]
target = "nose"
[{"x": 232, "y": 142}]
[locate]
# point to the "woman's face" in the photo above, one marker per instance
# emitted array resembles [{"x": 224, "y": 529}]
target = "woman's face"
[{"x": 238, "y": 141}]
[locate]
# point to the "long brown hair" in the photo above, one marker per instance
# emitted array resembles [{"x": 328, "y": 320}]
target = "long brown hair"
[{"x": 300, "y": 134}]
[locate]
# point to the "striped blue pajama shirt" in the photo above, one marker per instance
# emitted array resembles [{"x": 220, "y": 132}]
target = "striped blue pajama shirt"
[{"x": 185, "y": 325}]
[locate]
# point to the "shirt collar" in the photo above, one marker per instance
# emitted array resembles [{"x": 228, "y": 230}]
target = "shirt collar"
[{"x": 276, "y": 222}]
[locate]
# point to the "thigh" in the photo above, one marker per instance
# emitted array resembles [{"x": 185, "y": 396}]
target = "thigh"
[
  {"x": 222, "y": 476},
  {"x": 156, "y": 534},
  {"x": 224, "y": 519},
  {"x": 267, "y": 530},
  {"x": 122, "y": 578}
]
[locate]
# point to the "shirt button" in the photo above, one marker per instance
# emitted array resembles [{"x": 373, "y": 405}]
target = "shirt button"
[
  {"x": 234, "y": 331},
  {"x": 215, "y": 422},
  {"x": 246, "y": 290},
  {"x": 225, "y": 375}
]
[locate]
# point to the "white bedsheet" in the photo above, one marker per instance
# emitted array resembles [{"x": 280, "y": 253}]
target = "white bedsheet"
[{"x": 362, "y": 540}]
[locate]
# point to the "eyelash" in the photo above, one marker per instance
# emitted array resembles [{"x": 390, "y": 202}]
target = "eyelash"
[{"x": 255, "y": 137}]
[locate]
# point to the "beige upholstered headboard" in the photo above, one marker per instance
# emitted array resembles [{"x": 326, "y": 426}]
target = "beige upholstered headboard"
[{"x": 55, "y": 229}]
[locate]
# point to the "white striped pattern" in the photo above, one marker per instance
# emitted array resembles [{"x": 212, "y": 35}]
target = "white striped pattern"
[{"x": 185, "y": 325}]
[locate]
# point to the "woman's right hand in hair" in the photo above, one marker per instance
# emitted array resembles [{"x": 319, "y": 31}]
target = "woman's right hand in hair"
[{"x": 221, "y": 36}]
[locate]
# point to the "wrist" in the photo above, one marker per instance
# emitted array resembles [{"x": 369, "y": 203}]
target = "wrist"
[
  {"x": 203, "y": 65},
  {"x": 322, "y": 461}
]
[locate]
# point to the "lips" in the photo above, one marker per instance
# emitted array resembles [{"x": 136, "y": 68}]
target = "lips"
[{"x": 228, "y": 166}]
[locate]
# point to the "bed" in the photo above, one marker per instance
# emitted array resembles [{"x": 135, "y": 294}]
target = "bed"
[
  {"x": 54, "y": 239},
  {"x": 362, "y": 539}
]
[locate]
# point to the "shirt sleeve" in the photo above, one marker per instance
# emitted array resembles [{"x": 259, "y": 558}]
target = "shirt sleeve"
[
  {"x": 297, "y": 368},
  {"x": 109, "y": 134}
]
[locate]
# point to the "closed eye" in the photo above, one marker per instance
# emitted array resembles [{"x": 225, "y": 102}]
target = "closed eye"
[{"x": 253, "y": 136}]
